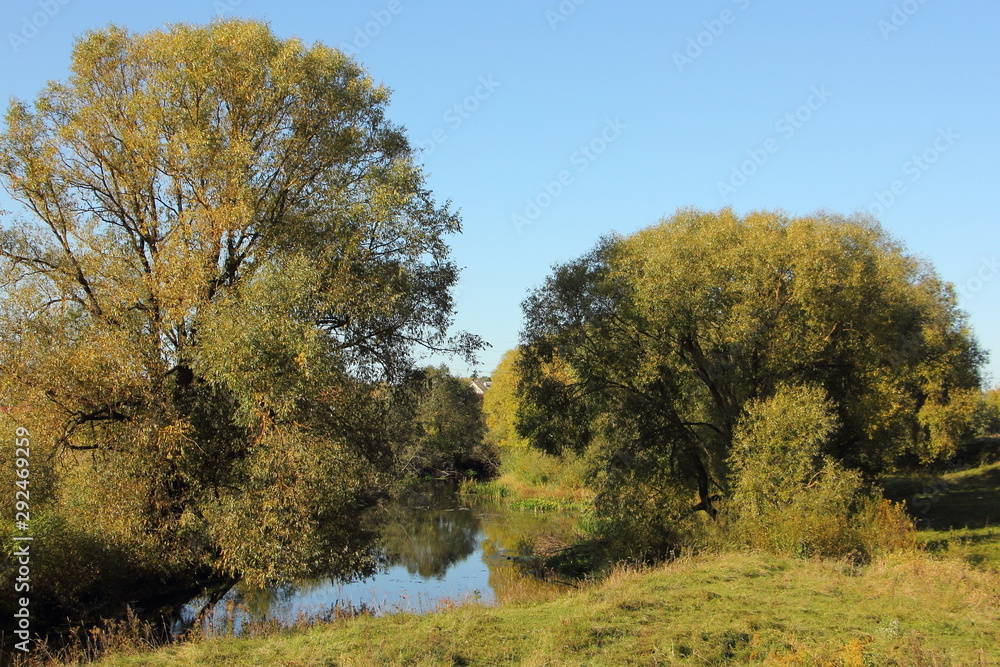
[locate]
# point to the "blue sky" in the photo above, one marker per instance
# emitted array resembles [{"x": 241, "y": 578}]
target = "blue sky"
[{"x": 550, "y": 124}]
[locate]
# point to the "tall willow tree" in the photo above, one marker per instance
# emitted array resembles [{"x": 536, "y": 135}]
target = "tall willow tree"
[
  {"x": 225, "y": 250},
  {"x": 500, "y": 403},
  {"x": 649, "y": 349}
]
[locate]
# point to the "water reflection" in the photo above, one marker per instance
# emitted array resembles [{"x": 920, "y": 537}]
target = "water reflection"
[
  {"x": 429, "y": 531},
  {"x": 437, "y": 547}
]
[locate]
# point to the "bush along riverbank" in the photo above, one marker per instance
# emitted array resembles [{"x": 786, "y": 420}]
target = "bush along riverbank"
[{"x": 530, "y": 480}]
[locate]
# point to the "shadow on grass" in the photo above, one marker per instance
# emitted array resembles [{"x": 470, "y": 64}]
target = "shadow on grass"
[
  {"x": 952, "y": 500},
  {"x": 956, "y": 512},
  {"x": 969, "y": 499}
]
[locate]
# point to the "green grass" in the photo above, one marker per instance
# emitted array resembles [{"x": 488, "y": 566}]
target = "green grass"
[
  {"x": 535, "y": 482},
  {"x": 521, "y": 499},
  {"x": 936, "y": 606},
  {"x": 910, "y": 609},
  {"x": 535, "y": 505},
  {"x": 957, "y": 513}
]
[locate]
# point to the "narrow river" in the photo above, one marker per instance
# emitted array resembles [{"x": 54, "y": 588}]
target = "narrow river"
[{"x": 440, "y": 548}]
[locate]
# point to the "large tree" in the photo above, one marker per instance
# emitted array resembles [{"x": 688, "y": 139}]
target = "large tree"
[
  {"x": 500, "y": 403},
  {"x": 225, "y": 253},
  {"x": 648, "y": 350}
]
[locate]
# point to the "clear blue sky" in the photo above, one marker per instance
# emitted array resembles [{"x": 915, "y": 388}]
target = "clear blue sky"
[{"x": 673, "y": 100}]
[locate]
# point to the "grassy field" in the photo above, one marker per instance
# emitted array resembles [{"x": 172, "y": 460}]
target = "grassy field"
[
  {"x": 957, "y": 513},
  {"x": 911, "y": 609},
  {"x": 936, "y": 606}
]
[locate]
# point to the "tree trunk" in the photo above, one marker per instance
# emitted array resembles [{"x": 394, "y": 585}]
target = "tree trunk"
[{"x": 704, "y": 497}]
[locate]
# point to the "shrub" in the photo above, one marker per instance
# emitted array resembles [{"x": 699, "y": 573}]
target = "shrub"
[
  {"x": 791, "y": 500},
  {"x": 777, "y": 447},
  {"x": 835, "y": 517},
  {"x": 988, "y": 413},
  {"x": 638, "y": 523},
  {"x": 884, "y": 527}
]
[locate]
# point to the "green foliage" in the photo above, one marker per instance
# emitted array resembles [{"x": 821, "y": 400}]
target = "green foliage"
[
  {"x": 443, "y": 426},
  {"x": 948, "y": 425},
  {"x": 833, "y": 517},
  {"x": 535, "y": 505},
  {"x": 535, "y": 469},
  {"x": 647, "y": 352},
  {"x": 790, "y": 500},
  {"x": 532, "y": 481},
  {"x": 493, "y": 490},
  {"x": 777, "y": 448},
  {"x": 500, "y": 403},
  {"x": 632, "y": 524},
  {"x": 218, "y": 269},
  {"x": 987, "y": 420}
]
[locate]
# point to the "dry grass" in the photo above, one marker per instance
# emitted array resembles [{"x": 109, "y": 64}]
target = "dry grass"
[{"x": 907, "y": 609}]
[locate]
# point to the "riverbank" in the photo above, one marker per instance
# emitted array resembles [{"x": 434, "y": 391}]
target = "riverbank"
[
  {"x": 529, "y": 480},
  {"x": 936, "y": 605},
  {"x": 908, "y": 609},
  {"x": 939, "y": 604}
]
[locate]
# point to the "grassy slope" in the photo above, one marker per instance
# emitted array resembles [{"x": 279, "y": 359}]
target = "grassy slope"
[
  {"x": 747, "y": 609},
  {"x": 938, "y": 607},
  {"x": 957, "y": 512}
]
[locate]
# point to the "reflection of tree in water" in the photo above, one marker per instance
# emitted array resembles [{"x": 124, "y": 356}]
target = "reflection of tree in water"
[
  {"x": 429, "y": 532},
  {"x": 510, "y": 535},
  {"x": 259, "y": 603}
]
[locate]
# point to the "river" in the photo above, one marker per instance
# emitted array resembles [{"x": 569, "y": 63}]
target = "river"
[{"x": 440, "y": 548}]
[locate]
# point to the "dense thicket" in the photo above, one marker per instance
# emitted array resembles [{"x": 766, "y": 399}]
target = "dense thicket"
[{"x": 442, "y": 426}]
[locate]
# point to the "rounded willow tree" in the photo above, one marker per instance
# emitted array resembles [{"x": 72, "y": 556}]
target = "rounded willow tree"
[
  {"x": 648, "y": 350},
  {"x": 225, "y": 252}
]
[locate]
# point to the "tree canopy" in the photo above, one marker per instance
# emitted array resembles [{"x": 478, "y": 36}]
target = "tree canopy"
[
  {"x": 443, "y": 426},
  {"x": 225, "y": 252},
  {"x": 648, "y": 350},
  {"x": 500, "y": 403}
]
